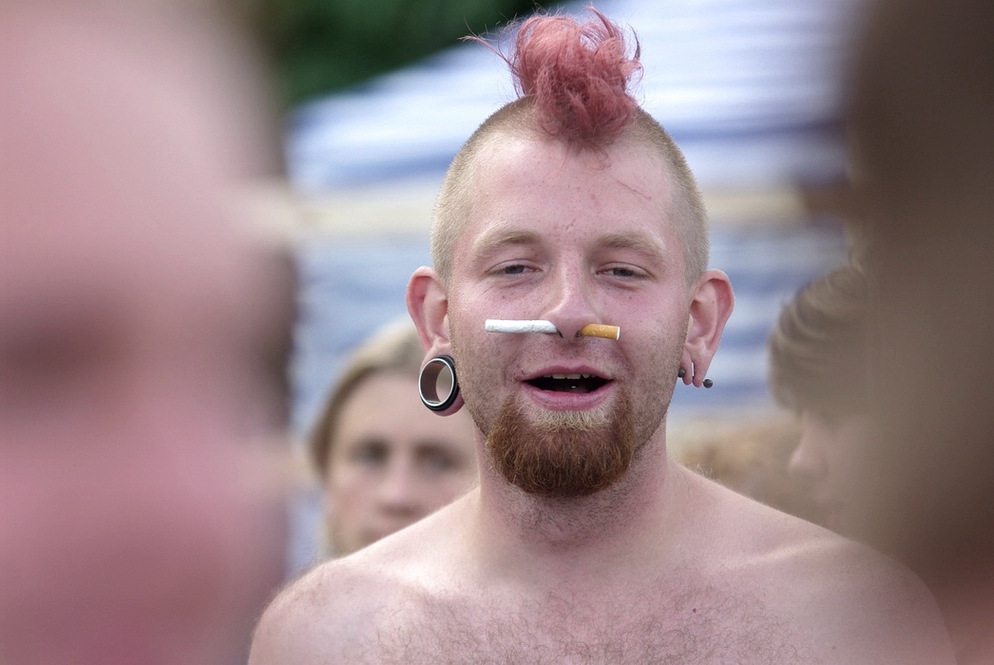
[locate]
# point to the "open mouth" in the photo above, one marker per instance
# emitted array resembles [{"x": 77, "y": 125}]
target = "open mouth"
[{"x": 568, "y": 383}]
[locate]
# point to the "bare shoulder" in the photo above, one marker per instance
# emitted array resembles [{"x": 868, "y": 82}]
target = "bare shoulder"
[
  {"x": 850, "y": 603},
  {"x": 862, "y": 606},
  {"x": 339, "y": 612},
  {"x": 319, "y": 618}
]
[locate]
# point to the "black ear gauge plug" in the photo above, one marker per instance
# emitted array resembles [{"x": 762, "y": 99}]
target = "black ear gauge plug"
[{"x": 440, "y": 367}]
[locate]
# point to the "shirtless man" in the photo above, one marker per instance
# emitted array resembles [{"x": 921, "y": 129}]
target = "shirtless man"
[{"x": 585, "y": 542}]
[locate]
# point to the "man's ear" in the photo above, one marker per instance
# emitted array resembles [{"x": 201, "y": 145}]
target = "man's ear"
[
  {"x": 428, "y": 305},
  {"x": 709, "y": 310}
]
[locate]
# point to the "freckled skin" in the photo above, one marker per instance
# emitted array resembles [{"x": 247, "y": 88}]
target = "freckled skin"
[{"x": 568, "y": 287}]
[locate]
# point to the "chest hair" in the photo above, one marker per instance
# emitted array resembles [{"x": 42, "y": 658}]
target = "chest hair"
[{"x": 686, "y": 627}]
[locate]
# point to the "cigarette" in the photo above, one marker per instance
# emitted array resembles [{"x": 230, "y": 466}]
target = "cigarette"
[
  {"x": 601, "y": 330},
  {"x": 511, "y": 326},
  {"x": 541, "y": 326}
]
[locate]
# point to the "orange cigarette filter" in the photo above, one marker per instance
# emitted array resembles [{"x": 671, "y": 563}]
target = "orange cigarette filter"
[{"x": 601, "y": 330}]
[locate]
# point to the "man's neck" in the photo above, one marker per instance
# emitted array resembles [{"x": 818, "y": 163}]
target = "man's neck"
[{"x": 583, "y": 536}]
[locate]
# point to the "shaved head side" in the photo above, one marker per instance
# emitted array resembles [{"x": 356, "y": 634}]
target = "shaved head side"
[{"x": 573, "y": 81}]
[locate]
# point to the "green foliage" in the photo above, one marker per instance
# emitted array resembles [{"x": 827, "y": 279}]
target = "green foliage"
[{"x": 318, "y": 46}]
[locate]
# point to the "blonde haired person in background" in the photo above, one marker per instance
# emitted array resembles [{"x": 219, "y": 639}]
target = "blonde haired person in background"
[{"x": 384, "y": 460}]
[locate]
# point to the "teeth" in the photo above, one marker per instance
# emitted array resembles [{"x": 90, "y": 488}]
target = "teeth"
[{"x": 569, "y": 377}]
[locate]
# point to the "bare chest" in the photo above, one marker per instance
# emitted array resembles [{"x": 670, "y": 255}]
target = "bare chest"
[{"x": 687, "y": 627}]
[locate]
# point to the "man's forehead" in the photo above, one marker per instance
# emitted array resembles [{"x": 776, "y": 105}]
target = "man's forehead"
[
  {"x": 517, "y": 152},
  {"x": 514, "y": 173}
]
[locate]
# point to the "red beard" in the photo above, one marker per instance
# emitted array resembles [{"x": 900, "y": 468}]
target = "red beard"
[{"x": 571, "y": 455}]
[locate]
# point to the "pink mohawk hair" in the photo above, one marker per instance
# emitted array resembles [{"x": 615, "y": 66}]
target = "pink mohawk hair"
[{"x": 578, "y": 75}]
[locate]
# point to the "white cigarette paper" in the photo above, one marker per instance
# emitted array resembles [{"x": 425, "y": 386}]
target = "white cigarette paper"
[
  {"x": 512, "y": 326},
  {"x": 540, "y": 326},
  {"x": 601, "y": 330}
]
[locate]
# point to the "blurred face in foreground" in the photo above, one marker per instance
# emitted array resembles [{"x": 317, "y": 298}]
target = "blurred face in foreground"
[
  {"x": 135, "y": 507},
  {"x": 393, "y": 462},
  {"x": 139, "y": 520}
]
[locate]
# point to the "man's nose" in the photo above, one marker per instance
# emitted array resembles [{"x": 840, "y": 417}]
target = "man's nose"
[
  {"x": 571, "y": 306},
  {"x": 398, "y": 492},
  {"x": 807, "y": 461}
]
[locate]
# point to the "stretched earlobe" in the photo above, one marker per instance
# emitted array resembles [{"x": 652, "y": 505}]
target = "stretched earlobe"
[
  {"x": 438, "y": 386},
  {"x": 707, "y": 383}
]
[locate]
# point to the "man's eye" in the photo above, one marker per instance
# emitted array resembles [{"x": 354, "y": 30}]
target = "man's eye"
[
  {"x": 516, "y": 269},
  {"x": 437, "y": 461},
  {"x": 624, "y": 272},
  {"x": 370, "y": 454}
]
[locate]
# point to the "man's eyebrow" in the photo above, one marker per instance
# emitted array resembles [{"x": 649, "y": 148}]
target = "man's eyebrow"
[
  {"x": 499, "y": 237},
  {"x": 503, "y": 237},
  {"x": 436, "y": 445},
  {"x": 642, "y": 242}
]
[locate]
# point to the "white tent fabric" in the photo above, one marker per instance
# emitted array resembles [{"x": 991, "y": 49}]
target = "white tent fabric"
[{"x": 750, "y": 89}]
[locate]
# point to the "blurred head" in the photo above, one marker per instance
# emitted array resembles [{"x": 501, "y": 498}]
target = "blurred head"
[
  {"x": 819, "y": 360},
  {"x": 139, "y": 517},
  {"x": 818, "y": 347},
  {"x": 922, "y": 120},
  {"x": 384, "y": 459},
  {"x": 749, "y": 457},
  {"x": 922, "y": 124},
  {"x": 587, "y": 107}
]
